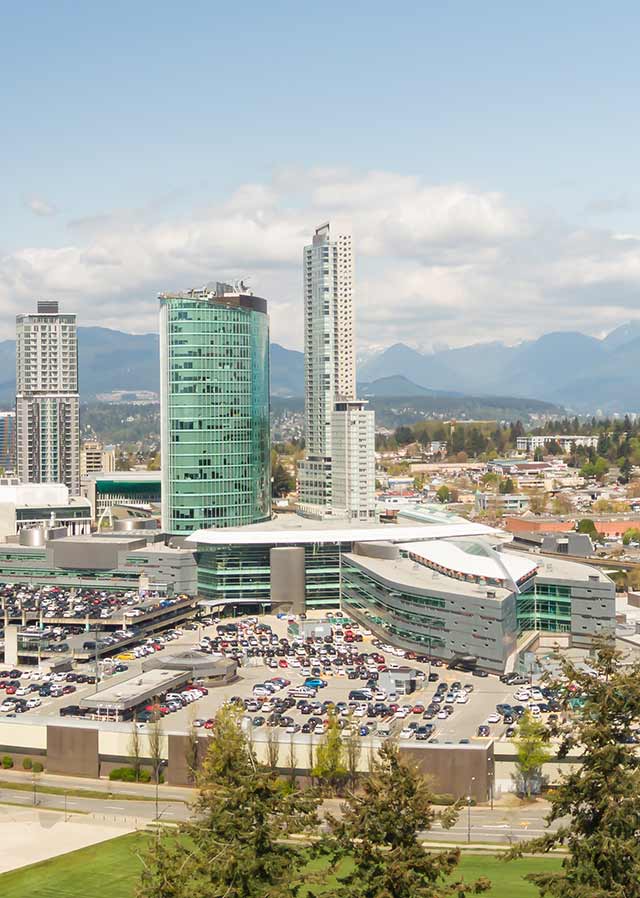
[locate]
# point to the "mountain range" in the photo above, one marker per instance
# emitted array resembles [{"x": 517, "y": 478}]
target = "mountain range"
[
  {"x": 579, "y": 372},
  {"x": 568, "y": 368}
]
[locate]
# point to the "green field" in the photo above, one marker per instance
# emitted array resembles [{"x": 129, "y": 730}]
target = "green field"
[{"x": 111, "y": 869}]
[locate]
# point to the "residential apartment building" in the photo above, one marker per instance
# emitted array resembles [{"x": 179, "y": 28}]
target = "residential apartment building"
[
  {"x": 354, "y": 465},
  {"x": 47, "y": 400},
  {"x": 96, "y": 459},
  {"x": 214, "y": 408},
  {"x": 330, "y": 388},
  {"x": 566, "y": 442},
  {"x": 7, "y": 441}
]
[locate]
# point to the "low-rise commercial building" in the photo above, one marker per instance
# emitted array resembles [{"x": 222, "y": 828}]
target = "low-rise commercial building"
[
  {"x": 130, "y": 489},
  {"x": 464, "y": 600},
  {"x": 115, "y": 562},
  {"x": 27, "y": 505}
]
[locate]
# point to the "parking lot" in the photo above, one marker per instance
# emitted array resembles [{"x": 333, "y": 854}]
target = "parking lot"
[{"x": 274, "y": 663}]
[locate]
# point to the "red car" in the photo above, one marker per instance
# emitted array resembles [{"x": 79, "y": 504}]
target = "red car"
[{"x": 418, "y": 709}]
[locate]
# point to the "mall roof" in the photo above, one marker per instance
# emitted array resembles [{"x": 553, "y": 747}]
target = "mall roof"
[
  {"x": 475, "y": 559},
  {"x": 291, "y": 529}
]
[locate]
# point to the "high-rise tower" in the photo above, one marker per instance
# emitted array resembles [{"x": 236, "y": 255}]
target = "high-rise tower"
[
  {"x": 214, "y": 407},
  {"x": 330, "y": 386},
  {"x": 47, "y": 400}
]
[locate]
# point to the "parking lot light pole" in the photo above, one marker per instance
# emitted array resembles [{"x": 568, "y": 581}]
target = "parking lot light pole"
[
  {"x": 473, "y": 779},
  {"x": 490, "y": 774}
]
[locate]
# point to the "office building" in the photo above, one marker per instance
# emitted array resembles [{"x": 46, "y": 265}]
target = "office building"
[
  {"x": 139, "y": 490},
  {"x": 96, "y": 459},
  {"x": 7, "y": 441},
  {"x": 214, "y": 401},
  {"x": 330, "y": 387},
  {"x": 47, "y": 401}
]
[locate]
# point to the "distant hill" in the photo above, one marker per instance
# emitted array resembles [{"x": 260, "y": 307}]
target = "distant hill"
[
  {"x": 287, "y": 371},
  {"x": 396, "y": 386}
]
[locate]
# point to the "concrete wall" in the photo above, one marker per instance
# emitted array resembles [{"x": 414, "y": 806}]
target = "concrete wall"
[
  {"x": 73, "y": 751},
  {"x": 456, "y": 770},
  {"x": 287, "y": 579}
]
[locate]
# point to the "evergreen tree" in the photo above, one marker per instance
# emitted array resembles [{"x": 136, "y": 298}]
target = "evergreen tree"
[
  {"x": 235, "y": 844},
  {"x": 378, "y": 832},
  {"x": 598, "y": 802}
]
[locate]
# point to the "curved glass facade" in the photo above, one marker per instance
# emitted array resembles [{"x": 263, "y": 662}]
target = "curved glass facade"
[{"x": 215, "y": 411}]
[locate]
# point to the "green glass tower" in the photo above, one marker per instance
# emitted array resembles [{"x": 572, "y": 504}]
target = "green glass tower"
[{"x": 214, "y": 400}]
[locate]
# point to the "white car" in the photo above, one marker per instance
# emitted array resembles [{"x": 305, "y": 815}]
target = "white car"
[
  {"x": 33, "y": 702},
  {"x": 320, "y": 730},
  {"x": 462, "y": 698},
  {"x": 406, "y": 733},
  {"x": 494, "y": 718},
  {"x": 523, "y": 695},
  {"x": 7, "y": 706},
  {"x": 442, "y": 715},
  {"x": 23, "y": 690}
]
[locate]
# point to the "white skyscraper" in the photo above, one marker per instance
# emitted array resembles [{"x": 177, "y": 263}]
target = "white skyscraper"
[
  {"x": 331, "y": 408},
  {"x": 47, "y": 400}
]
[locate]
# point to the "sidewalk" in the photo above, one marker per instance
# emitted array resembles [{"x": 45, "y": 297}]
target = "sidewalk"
[{"x": 99, "y": 785}]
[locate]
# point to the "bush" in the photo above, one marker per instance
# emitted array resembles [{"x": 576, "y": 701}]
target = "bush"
[
  {"x": 27, "y": 764},
  {"x": 7, "y": 762},
  {"x": 123, "y": 774},
  {"x": 37, "y": 767},
  {"x": 128, "y": 775},
  {"x": 447, "y": 799}
]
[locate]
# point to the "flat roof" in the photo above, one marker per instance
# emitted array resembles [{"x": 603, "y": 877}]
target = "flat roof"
[
  {"x": 291, "y": 529},
  {"x": 131, "y": 692},
  {"x": 569, "y": 570},
  {"x": 474, "y": 558}
]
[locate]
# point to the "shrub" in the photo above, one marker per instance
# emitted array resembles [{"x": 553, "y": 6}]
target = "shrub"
[
  {"x": 37, "y": 767},
  {"x": 27, "y": 764},
  {"x": 7, "y": 762},
  {"x": 123, "y": 774},
  {"x": 144, "y": 776}
]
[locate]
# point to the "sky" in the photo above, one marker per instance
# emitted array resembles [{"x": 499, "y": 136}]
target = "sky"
[{"x": 485, "y": 155}]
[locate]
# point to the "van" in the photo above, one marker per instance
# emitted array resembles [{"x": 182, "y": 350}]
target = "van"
[
  {"x": 303, "y": 692},
  {"x": 88, "y": 646}
]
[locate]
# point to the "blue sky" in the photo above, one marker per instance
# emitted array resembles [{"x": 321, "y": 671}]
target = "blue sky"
[{"x": 132, "y": 134}]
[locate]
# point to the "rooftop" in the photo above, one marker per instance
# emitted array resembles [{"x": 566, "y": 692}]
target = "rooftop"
[
  {"x": 404, "y": 572},
  {"x": 290, "y": 529},
  {"x": 474, "y": 558}
]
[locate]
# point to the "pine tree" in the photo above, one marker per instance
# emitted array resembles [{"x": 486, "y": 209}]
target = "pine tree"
[
  {"x": 598, "y": 802},
  {"x": 379, "y": 830},
  {"x": 235, "y": 844}
]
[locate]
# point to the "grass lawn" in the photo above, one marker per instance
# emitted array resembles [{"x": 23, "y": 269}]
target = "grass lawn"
[{"x": 111, "y": 869}]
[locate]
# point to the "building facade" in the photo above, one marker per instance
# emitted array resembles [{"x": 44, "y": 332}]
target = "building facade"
[
  {"x": 330, "y": 385},
  {"x": 26, "y": 505},
  {"x": 214, "y": 401},
  {"x": 8, "y": 441},
  {"x": 96, "y": 458},
  {"x": 47, "y": 400},
  {"x": 353, "y": 468}
]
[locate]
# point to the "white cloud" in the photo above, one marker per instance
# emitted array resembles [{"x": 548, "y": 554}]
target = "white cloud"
[
  {"x": 40, "y": 206},
  {"x": 434, "y": 262}
]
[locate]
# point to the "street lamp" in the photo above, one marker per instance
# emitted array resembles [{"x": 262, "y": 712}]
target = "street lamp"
[
  {"x": 473, "y": 779},
  {"x": 490, "y": 774}
]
